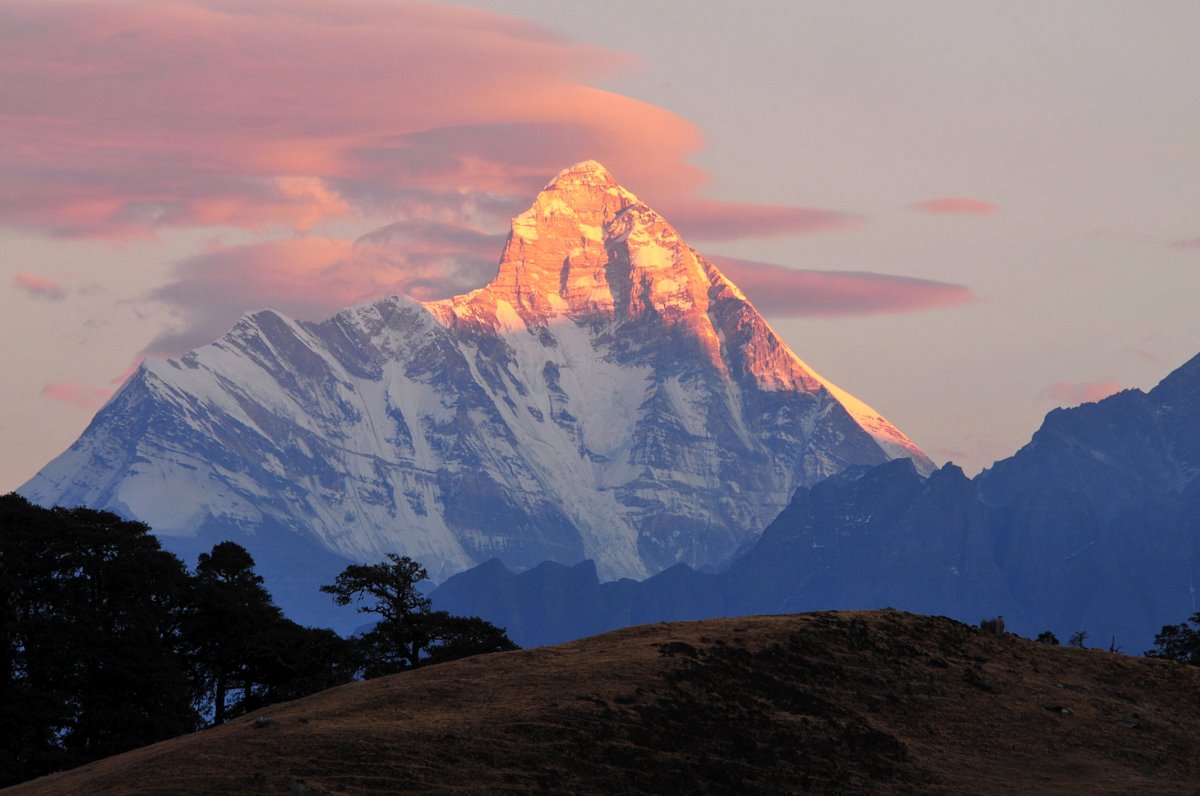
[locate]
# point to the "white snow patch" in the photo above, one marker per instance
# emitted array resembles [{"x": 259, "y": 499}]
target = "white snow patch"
[
  {"x": 507, "y": 318},
  {"x": 591, "y": 232},
  {"x": 524, "y": 226}
]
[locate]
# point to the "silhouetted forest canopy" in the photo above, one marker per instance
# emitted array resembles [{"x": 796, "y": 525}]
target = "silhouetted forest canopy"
[{"x": 108, "y": 642}]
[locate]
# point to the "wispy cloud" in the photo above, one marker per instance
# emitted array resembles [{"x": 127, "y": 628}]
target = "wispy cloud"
[
  {"x": 1185, "y": 244},
  {"x": 778, "y": 290},
  {"x": 314, "y": 277},
  {"x": 957, "y": 205},
  {"x": 39, "y": 286},
  {"x": 1070, "y": 393},
  {"x": 81, "y": 396},
  {"x": 305, "y": 277}
]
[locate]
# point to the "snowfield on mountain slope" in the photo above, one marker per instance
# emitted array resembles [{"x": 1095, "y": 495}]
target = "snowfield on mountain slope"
[{"x": 609, "y": 395}]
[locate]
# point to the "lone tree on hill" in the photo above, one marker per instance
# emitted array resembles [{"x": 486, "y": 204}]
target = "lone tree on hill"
[{"x": 409, "y": 632}]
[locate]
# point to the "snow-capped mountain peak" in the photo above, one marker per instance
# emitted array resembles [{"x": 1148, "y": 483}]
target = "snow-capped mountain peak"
[
  {"x": 608, "y": 395},
  {"x": 588, "y": 248}
]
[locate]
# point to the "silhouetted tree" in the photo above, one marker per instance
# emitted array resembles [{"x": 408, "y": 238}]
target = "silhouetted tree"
[
  {"x": 993, "y": 626},
  {"x": 90, "y": 645},
  {"x": 291, "y": 661},
  {"x": 1179, "y": 642},
  {"x": 408, "y": 632},
  {"x": 107, "y": 642},
  {"x": 1078, "y": 639},
  {"x": 229, "y": 628},
  {"x": 1046, "y": 637},
  {"x": 461, "y": 636}
]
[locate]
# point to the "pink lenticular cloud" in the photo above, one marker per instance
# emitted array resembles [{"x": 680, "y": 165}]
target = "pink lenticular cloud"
[
  {"x": 794, "y": 292},
  {"x": 78, "y": 395},
  {"x": 1186, "y": 244},
  {"x": 122, "y": 118},
  {"x": 427, "y": 260},
  {"x": 312, "y": 278},
  {"x": 39, "y": 287},
  {"x": 304, "y": 277},
  {"x": 1069, "y": 393},
  {"x": 957, "y": 205}
]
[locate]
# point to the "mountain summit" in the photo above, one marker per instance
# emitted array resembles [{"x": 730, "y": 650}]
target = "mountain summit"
[
  {"x": 609, "y": 395},
  {"x": 591, "y": 251}
]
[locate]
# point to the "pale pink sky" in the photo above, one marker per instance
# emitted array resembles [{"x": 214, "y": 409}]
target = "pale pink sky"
[{"x": 965, "y": 214}]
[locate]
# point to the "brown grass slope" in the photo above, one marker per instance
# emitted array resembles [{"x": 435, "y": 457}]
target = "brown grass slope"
[{"x": 827, "y": 702}]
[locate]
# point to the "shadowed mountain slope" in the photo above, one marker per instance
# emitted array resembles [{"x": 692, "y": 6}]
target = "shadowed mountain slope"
[
  {"x": 841, "y": 702},
  {"x": 1094, "y": 526}
]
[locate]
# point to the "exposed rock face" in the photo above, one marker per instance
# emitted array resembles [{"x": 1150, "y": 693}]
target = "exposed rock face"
[
  {"x": 609, "y": 396},
  {"x": 1094, "y": 525}
]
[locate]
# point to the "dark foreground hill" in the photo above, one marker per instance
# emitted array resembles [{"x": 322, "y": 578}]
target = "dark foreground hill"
[{"x": 829, "y": 702}]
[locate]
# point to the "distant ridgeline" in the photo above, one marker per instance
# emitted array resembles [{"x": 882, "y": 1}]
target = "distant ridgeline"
[{"x": 1094, "y": 525}]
